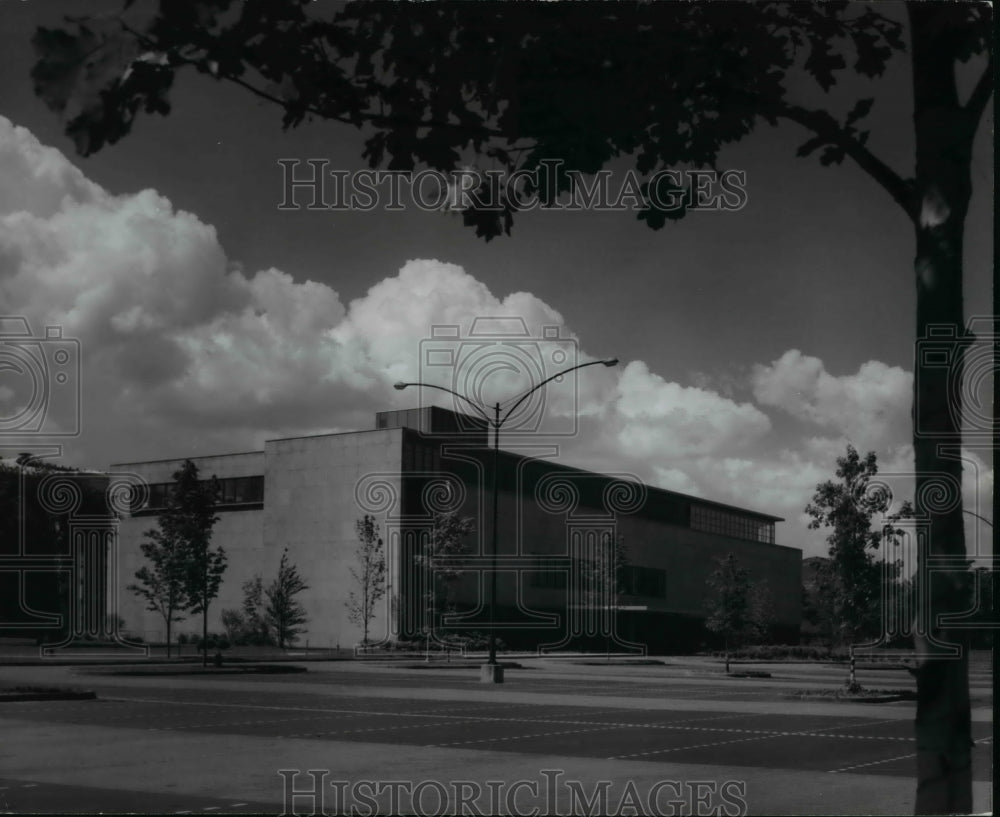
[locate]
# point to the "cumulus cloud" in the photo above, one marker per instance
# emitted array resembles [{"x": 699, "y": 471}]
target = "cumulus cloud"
[
  {"x": 183, "y": 350},
  {"x": 185, "y": 353},
  {"x": 871, "y": 407},
  {"x": 655, "y": 415}
]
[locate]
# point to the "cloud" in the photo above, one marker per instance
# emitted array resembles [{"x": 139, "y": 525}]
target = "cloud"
[
  {"x": 184, "y": 353},
  {"x": 182, "y": 350},
  {"x": 871, "y": 407},
  {"x": 662, "y": 419}
]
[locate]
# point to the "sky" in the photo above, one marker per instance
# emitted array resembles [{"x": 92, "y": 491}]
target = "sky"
[{"x": 753, "y": 345}]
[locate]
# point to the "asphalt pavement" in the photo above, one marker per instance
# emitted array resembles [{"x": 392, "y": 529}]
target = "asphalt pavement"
[{"x": 552, "y": 739}]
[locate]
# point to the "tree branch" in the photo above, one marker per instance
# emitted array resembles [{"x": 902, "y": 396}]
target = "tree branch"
[
  {"x": 980, "y": 96},
  {"x": 380, "y": 120},
  {"x": 826, "y": 127}
]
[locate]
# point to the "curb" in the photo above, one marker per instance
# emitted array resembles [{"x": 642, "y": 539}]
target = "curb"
[
  {"x": 168, "y": 670},
  {"x": 54, "y": 695}
]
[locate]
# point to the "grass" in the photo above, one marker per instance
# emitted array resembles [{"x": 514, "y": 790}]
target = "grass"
[
  {"x": 844, "y": 694},
  {"x": 29, "y": 693}
]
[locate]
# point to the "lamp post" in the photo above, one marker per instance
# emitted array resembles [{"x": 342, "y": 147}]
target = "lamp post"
[{"x": 497, "y": 421}]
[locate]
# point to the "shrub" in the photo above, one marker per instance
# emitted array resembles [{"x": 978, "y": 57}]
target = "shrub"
[
  {"x": 778, "y": 652},
  {"x": 214, "y": 642}
]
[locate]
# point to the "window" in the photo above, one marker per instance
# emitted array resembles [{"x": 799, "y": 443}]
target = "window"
[
  {"x": 731, "y": 523},
  {"x": 232, "y": 491}
]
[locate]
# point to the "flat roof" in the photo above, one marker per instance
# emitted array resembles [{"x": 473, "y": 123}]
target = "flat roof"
[
  {"x": 182, "y": 459},
  {"x": 662, "y": 491}
]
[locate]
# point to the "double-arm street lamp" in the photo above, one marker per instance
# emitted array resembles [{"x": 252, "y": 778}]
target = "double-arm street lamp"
[{"x": 497, "y": 421}]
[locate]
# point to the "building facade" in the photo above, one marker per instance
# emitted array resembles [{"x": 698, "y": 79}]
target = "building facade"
[{"x": 555, "y": 535}]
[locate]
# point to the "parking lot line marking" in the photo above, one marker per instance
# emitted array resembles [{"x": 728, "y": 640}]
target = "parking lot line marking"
[
  {"x": 683, "y": 748},
  {"x": 871, "y": 763},
  {"x": 516, "y": 737},
  {"x": 509, "y": 719}
]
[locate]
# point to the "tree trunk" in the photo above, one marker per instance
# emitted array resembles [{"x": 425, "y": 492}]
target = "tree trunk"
[
  {"x": 944, "y": 135},
  {"x": 168, "y": 635},
  {"x": 204, "y": 631}
]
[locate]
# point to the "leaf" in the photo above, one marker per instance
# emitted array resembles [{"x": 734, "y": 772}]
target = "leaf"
[
  {"x": 664, "y": 200},
  {"x": 860, "y": 110},
  {"x": 832, "y": 155}
]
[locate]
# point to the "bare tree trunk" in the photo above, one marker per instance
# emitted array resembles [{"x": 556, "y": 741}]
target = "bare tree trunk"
[
  {"x": 944, "y": 136},
  {"x": 204, "y": 629}
]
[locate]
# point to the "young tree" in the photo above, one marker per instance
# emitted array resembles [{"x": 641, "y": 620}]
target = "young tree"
[
  {"x": 849, "y": 507},
  {"x": 728, "y": 602},
  {"x": 760, "y": 610},
  {"x": 369, "y": 574},
  {"x": 445, "y": 544},
  {"x": 283, "y": 613},
  {"x": 247, "y": 624},
  {"x": 191, "y": 514},
  {"x": 162, "y": 582},
  {"x": 522, "y": 85},
  {"x": 175, "y": 548},
  {"x": 254, "y": 617}
]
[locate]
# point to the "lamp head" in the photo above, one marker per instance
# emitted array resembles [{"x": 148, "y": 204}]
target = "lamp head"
[
  {"x": 400, "y": 386},
  {"x": 611, "y": 361}
]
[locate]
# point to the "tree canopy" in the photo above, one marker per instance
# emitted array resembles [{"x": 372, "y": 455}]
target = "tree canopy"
[
  {"x": 856, "y": 510},
  {"x": 437, "y": 85}
]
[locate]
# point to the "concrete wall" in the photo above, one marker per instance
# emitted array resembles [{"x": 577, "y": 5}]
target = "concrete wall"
[
  {"x": 311, "y": 506},
  {"x": 317, "y": 488}
]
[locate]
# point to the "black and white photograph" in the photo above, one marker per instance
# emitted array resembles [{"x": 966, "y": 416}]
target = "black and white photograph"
[{"x": 497, "y": 408}]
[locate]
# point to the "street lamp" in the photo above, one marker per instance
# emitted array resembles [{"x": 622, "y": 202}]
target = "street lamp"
[{"x": 496, "y": 421}]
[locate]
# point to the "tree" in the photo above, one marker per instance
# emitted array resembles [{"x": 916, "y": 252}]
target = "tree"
[
  {"x": 247, "y": 625},
  {"x": 728, "y": 602},
  {"x": 760, "y": 610},
  {"x": 666, "y": 83},
  {"x": 162, "y": 582},
  {"x": 253, "y": 611},
  {"x": 368, "y": 574},
  {"x": 190, "y": 516},
  {"x": 445, "y": 544},
  {"x": 283, "y": 613},
  {"x": 849, "y": 506},
  {"x": 175, "y": 548}
]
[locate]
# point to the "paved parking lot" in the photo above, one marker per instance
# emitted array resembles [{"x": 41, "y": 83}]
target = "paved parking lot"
[
  {"x": 218, "y": 743},
  {"x": 825, "y": 742}
]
